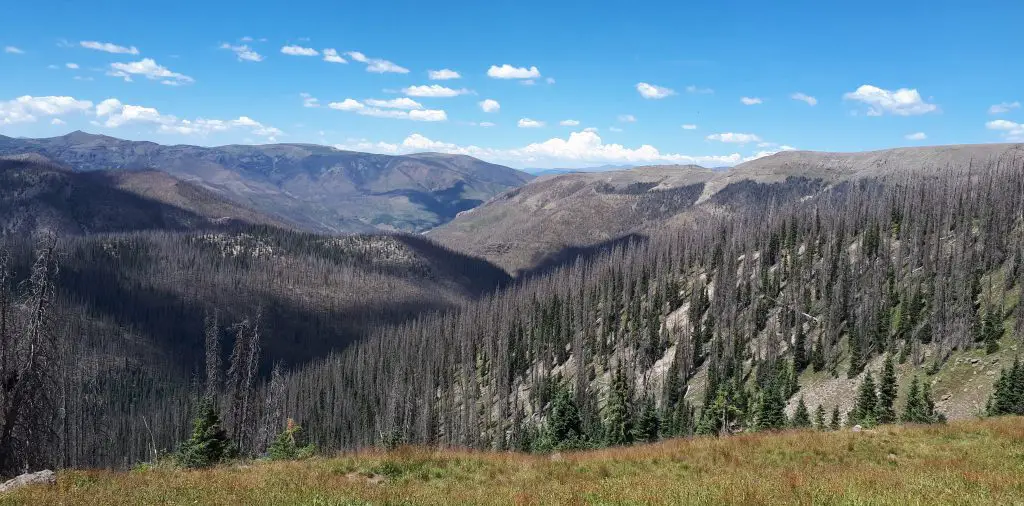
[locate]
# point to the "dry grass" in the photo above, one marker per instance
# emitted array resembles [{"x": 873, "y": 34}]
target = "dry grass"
[{"x": 971, "y": 462}]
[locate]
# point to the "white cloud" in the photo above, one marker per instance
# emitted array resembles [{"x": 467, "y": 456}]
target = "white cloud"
[
  {"x": 243, "y": 52},
  {"x": 751, "y": 100},
  {"x": 246, "y": 39},
  {"x": 627, "y": 118},
  {"x": 332, "y": 56},
  {"x": 653, "y": 92},
  {"x": 615, "y": 129},
  {"x": 443, "y": 74},
  {"x": 902, "y": 102},
  {"x": 58, "y": 122},
  {"x": 27, "y": 109},
  {"x": 527, "y": 82},
  {"x": 295, "y": 50},
  {"x": 13, "y": 50},
  {"x": 734, "y": 138},
  {"x": 148, "y": 68},
  {"x": 803, "y": 97},
  {"x": 395, "y": 103},
  {"x": 1003, "y": 108},
  {"x": 699, "y": 91},
  {"x": 917, "y": 136},
  {"x": 309, "y": 100},
  {"x": 390, "y": 110},
  {"x": 569, "y": 122},
  {"x": 72, "y": 66},
  {"x": 377, "y": 65},
  {"x": 108, "y": 47},
  {"x": 689, "y": 126},
  {"x": 434, "y": 91},
  {"x": 530, "y": 123},
  {"x": 116, "y": 114},
  {"x": 507, "y": 71},
  {"x": 550, "y": 80},
  {"x": 489, "y": 105},
  {"x": 485, "y": 124},
  {"x": 1012, "y": 131}
]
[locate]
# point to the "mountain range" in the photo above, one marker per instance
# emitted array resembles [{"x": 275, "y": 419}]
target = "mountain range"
[{"x": 316, "y": 188}]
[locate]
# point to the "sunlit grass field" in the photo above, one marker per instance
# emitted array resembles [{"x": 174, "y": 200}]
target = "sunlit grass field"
[{"x": 971, "y": 462}]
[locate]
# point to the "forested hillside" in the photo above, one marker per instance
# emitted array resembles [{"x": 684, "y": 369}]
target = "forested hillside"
[
  {"x": 744, "y": 320},
  {"x": 711, "y": 329}
]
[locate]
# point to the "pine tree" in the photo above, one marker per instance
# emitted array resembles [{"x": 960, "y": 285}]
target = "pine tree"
[
  {"x": 801, "y": 417},
  {"x": 912, "y": 412},
  {"x": 836, "y": 423},
  {"x": 800, "y": 350},
  {"x": 771, "y": 410},
  {"x": 884, "y": 409},
  {"x": 647, "y": 424},
  {"x": 620, "y": 424},
  {"x": 289, "y": 444},
  {"x": 565, "y": 427},
  {"x": 209, "y": 444},
  {"x": 1008, "y": 395},
  {"x": 819, "y": 418},
  {"x": 867, "y": 398}
]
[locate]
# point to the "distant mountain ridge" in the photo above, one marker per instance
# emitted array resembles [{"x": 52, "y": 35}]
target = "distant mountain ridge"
[
  {"x": 317, "y": 188},
  {"x": 556, "y": 217}
]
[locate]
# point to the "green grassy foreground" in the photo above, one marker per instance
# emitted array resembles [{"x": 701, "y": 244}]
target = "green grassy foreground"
[{"x": 974, "y": 462}]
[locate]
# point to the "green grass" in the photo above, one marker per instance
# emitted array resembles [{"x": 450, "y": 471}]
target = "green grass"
[{"x": 971, "y": 462}]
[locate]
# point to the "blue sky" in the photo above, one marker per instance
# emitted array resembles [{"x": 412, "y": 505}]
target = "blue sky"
[{"x": 629, "y": 75}]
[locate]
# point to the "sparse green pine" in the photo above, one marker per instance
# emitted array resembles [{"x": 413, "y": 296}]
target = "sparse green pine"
[
  {"x": 801, "y": 417},
  {"x": 819, "y": 418},
  {"x": 884, "y": 409}
]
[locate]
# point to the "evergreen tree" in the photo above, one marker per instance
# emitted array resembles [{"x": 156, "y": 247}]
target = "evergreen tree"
[
  {"x": 771, "y": 410},
  {"x": 647, "y": 424},
  {"x": 920, "y": 408},
  {"x": 819, "y": 418},
  {"x": 884, "y": 409},
  {"x": 565, "y": 427},
  {"x": 867, "y": 398},
  {"x": 717, "y": 417},
  {"x": 800, "y": 359},
  {"x": 801, "y": 417},
  {"x": 620, "y": 423},
  {"x": 1008, "y": 395},
  {"x": 289, "y": 444},
  {"x": 209, "y": 444},
  {"x": 836, "y": 423}
]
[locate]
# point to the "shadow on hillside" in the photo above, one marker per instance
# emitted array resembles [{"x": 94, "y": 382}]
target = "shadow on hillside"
[{"x": 572, "y": 254}]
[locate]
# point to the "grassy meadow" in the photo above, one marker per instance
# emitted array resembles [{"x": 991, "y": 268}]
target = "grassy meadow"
[{"x": 970, "y": 462}]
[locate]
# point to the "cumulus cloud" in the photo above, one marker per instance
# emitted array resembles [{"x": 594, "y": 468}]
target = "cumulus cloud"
[
  {"x": 1011, "y": 131},
  {"x": 395, "y": 103},
  {"x": 150, "y": 69},
  {"x": 917, "y": 136},
  {"x": 489, "y": 105},
  {"x": 485, "y": 124},
  {"x": 651, "y": 91},
  {"x": 699, "y": 91},
  {"x": 803, "y": 97},
  {"x": 114, "y": 114},
  {"x": 243, "y": 52},
  {"x": 13, "y": 50},
  {"x": 529, "y": 123},
  {"x": 507, "y": 71},
  {"x": 902, "y": 102},
  {"x": 569, "y": 122},
  {"x": 295, "y": 50},
  {"x": 108, "y": 47},
  {"x": 1003, "y": 108},
  {"x": 332, "y": 56},
  {"x": 443, "y": 74},
  {"x": 578, "y": 149},
  {"x": 627, "y": 118},
  {"x": 72, "y": 66},
  {"x": 750, "y": 100},
  {"x": 689, "y": 126},
  {"x": 433, "y": 91},
  {"x": 58, "y": 122},
  {"x": 734, "y": 138},
  {"x": 394, "y": 109},
  {"x": 27, "y": 109},
  {"x": 309, "y": 100},
  {"x": 377, "y": 65}
]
